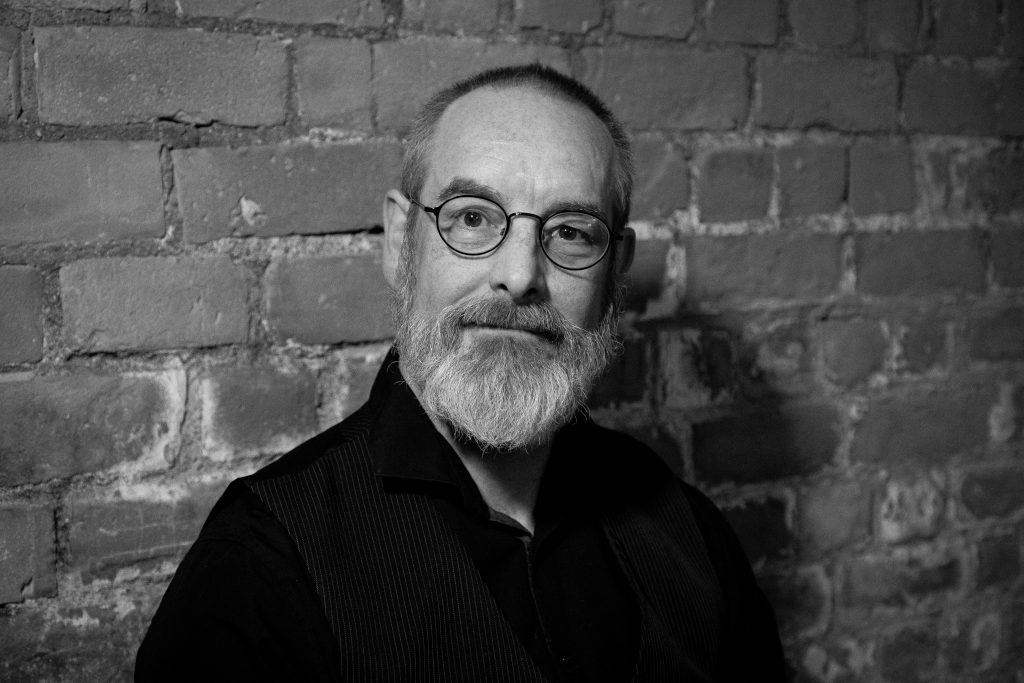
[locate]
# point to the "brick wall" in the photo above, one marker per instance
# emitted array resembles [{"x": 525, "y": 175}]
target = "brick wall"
[{"x": 826, "y": 324}]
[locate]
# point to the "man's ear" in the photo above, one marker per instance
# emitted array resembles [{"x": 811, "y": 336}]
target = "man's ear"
[
  {"x": 396, "y": 222},
  {"x": 624, "y": 254}
]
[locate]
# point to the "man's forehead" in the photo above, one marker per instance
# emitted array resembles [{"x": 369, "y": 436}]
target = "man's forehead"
[
  {"x": 497, "y": 104},
  {"x": 526, "y": 123}
]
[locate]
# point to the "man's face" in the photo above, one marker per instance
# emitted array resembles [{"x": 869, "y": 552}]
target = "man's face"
[
  {"x": 504, "y": 347},
  {"x": 529, "y": 152}
]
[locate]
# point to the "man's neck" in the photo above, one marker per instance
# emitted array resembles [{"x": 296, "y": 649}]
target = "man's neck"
[{"x": 508, "y": 482}]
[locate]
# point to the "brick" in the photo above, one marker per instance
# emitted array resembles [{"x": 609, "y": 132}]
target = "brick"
[
  {"x": 153, "y": 303},
  {"x": 851, "y": 350},
  {"x": 823, "y": 23},
  {"x": 922, "y": 343},
  {"x": 937, "y": 167},
  {"x": 60, "y": 426},
  {"x": 756, "y": 266},
  {"x": 346, "y": 13},
  {"x": 570, "y": 16},
  {"x": 452, "y": 15},
  {"x": 332, "y": 82},
  {"x": 283, "y": 189},
  {"x": 108, "y": 534},
  {"x": 344, "y": 387},
  {"x": 900, "y": 580},
  {"x": 910, "y": 655},
  {"x": 95, "y": 75},
  {"x": 668, "y": 87},
  {"x": 1008, "y": 256},
  {"x": 834, "y": 657},
  {"x": 979, "y": 642},
  {"x": 908, "y": 508},
  {"x": 76, "y": 639},
  {"x": 21, "y": 315},
  {"x": 753, "y": 22},
  {"x": 645, "y": 280},
  {"x": 892, "y": 25},
  {"x": 1006, "y": 418},
  {"x": 948, "y": 99},
  {"x": 250, "y": 411},
  {"x": 801, "y": 599},
  {"x": 966, "y": 27},
  {"x": 993, "y": 182},
  {"x": 763, "y": 527},
  {"x": 735, "y": 184},
  {"x": 881, "y": 178},
  {"x": 407, "y": 72},
  {"x": 98, "y": 5},
  {"x": 27, "y": 559},
  {"x": 998, "y": 560},
  {"x": 851, "y": 94},
  {"x": 10, "y": 69},
  {"x": 678, "y": 381},
  {"x": 1010, "y": 103},
  {"x": 913, "y": 263},
  {"x": 779, "y": 356},
  {"x": 666, "y": 18},
  {"x": 695, "y": 365},
  {"x": 812, "y": 179},
  {"x": 1013, "y": 30},
  {"x": 993, "y": 493},
  {"x": 927, "y": 429},
  {"x": 326, "y": 300},
  {"x": 80, "y": 192},
  {"x": 834, "y": 515},
  {"x": 662, "y": 182},
  {"x": 997, "y": 335},
  {"x": 766, "y": 444}
]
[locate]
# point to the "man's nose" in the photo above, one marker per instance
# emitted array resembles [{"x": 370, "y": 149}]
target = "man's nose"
[{"x": 518, "y": 266}]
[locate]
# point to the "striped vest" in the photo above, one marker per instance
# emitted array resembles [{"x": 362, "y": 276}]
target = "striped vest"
[{"x": 406, "y": 603}]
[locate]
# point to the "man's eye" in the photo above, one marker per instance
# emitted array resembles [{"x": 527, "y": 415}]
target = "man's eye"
[
  {"x": 472, "y": 219},
  {"x": 570, "y": 234}
]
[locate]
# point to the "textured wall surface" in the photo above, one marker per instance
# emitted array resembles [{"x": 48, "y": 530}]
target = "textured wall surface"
[{"x": 825, "y": 326}]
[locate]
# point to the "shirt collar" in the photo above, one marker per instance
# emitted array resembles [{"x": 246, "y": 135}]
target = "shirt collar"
[{"x": 404, "y": 442}]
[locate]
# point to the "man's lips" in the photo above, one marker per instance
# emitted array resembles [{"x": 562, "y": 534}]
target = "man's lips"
[{"x": 544, "y": 334}]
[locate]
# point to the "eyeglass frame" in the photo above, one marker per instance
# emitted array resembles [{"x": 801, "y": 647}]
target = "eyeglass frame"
[{"x": 435, "y": 211}]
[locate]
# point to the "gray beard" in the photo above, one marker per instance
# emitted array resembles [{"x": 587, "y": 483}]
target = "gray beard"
[{"x": 502, "y": 392}]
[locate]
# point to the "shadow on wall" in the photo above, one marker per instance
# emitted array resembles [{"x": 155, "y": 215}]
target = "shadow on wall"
[{"x": 729, "y": 401}]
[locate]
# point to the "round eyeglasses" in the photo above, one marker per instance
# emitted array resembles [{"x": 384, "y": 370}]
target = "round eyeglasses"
[{"x": 474, "y": 226}]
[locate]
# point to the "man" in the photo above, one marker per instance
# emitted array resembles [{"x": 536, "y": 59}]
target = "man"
[{"x": 470, "y": 522}]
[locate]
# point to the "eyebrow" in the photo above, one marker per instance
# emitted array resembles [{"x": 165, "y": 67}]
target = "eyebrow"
[{"x": 462, "y": 186}]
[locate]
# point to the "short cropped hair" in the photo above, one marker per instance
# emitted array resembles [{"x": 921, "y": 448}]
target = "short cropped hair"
[{"x": 542, "y": 78}]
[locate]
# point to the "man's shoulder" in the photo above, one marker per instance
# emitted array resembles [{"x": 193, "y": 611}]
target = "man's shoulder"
[
  {"x": 634, "y": 471},
  {"x": 618, "y": 456},
  {"x": 305, "y": 477},
  {"x": 344, "y": 438}
]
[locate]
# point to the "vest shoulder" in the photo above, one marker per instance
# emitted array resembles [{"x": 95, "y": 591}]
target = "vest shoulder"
[
  {"x": 345, "y": 437},
  {"x": 628, "y": 464},
  {"x": 619, "y": 453}
]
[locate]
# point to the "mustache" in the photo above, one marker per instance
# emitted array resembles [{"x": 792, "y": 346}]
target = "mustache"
[{"x": 541, "y": 318}]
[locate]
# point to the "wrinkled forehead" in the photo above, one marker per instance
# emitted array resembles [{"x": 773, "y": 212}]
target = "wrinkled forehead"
[{"x": 523, "y": 129}]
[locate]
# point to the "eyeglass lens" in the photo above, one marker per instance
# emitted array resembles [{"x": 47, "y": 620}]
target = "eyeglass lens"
[{"x": 474, "y": 225}]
